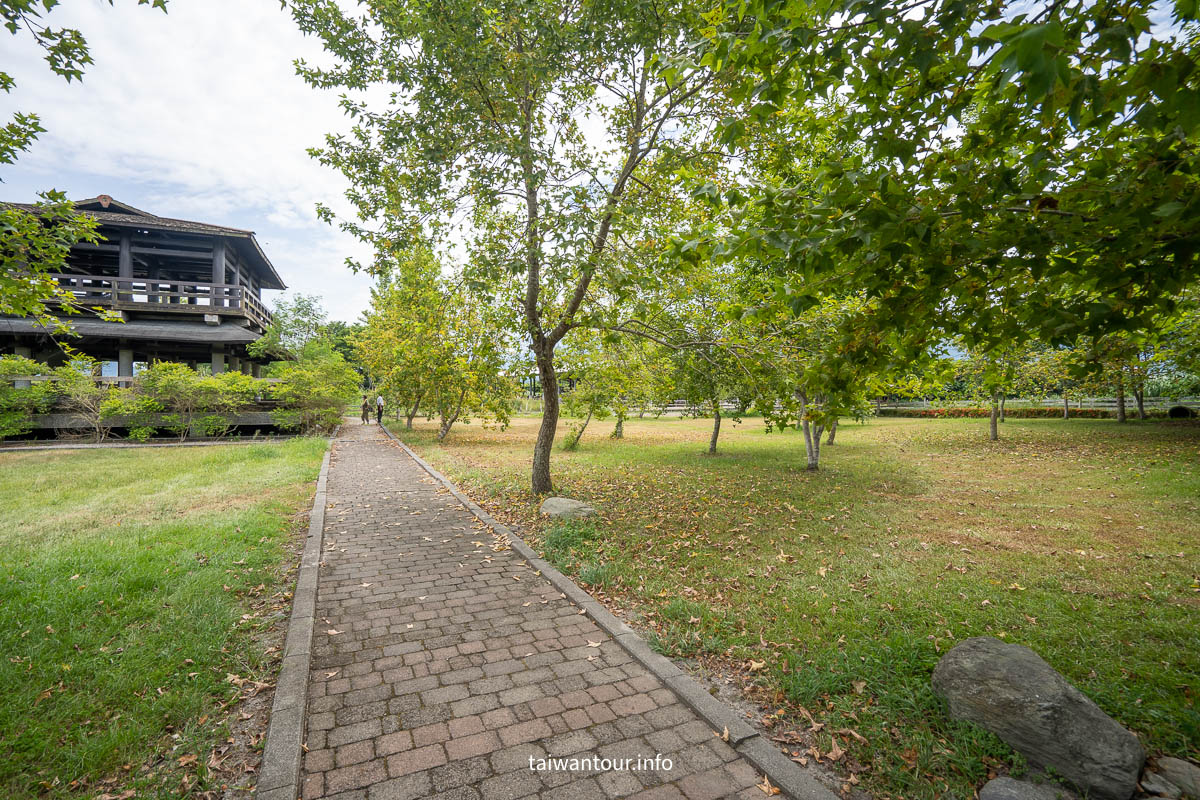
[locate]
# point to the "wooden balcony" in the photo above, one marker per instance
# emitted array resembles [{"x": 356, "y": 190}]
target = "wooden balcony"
[{"x": 166, "y": 297}]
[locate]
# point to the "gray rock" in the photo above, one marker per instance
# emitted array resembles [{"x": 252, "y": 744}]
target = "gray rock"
[
  {"x": 1158, "y": 786},
  {"x": 1183, "y": 774},
  {"x": 565, "y": 508},
  {"x": 1012, "y": 789},
  {"x": 1011, "y": 691}
]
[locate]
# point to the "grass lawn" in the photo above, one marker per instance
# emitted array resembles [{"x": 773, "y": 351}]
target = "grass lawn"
[
  {"x": 137, "y": 588},
  {"x": 830, "y": 596}
]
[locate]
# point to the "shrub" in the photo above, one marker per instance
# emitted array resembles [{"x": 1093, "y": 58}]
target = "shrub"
[
  {"x": 314, "y": 390},
  {"x": 18, "y": 405},
  {"x": 194, "y": 403},
  {"x": 77, "y": 392},
  {"x": 1014, "y": 413}
]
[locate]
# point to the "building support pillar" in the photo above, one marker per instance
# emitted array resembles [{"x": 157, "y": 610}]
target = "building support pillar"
[
  {"x": 124, "y": 268},
  {"x": 256, "y": 370},
  {"x": 218, "y": 360},
  {"x": 235, "y": 364},
  {"x": 24, "y": 352},
  {"x": 125, "y": 365},
  {"x": 218, "y": 271}
]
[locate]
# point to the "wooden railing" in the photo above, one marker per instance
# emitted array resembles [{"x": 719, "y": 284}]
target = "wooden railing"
[{"x": 146, "y": 294}]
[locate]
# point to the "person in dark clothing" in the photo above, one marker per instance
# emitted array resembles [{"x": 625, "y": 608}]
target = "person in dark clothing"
[
  {"x": 379, "y": 410},
  {"x": 366, "y": 411}
]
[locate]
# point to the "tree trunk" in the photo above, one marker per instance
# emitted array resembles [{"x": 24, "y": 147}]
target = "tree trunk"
[
  {"x": 1120, "y": 397},
  {"x": 1139, "y": 395},
  {"x": 619, "y": 431},
  {"x": 1003, "y": 399},
  {"x": 994, "y": 417},
  {"x": 1066, "y": 407},
  {"x": 712, "y": 443},
  {"x": 812, "y": 444},
  {"x": 832, "y": 432},
  {"x": 544, "y": 356},
  {"x": 448, "y": 422},
  {"x": 412, "y": 412},
  {"x": 573, "y": 440}
]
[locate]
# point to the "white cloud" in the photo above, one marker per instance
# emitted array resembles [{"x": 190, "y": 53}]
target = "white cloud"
[{"x": 197, "y": 114}]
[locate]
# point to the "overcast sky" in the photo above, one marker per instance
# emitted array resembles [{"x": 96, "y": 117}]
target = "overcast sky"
[{"x": 198, "y": 114}]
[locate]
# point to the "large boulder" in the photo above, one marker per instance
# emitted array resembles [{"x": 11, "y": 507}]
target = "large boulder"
[
  {"x": 1006, "y": 788},
  {"x": 565, "y": 508},
  {"x": 1011, "y": 691},
  {"x": 1183, "y": 774}
]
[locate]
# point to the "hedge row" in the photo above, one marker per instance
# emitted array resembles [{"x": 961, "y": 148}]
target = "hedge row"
[
  {"x": 1016, "y": 413},
  {"x": 308, "y": 395}
]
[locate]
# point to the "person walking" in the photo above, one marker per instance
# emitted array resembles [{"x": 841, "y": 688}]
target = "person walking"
[
  {"x": 379, "y": 410},
  {"x": 366, "y": 411}
]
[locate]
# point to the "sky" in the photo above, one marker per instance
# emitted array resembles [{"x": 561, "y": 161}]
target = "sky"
[{"x": 196, "y": 114}]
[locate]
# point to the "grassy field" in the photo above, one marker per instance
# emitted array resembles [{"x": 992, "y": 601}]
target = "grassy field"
[
  {"x": 137, "y": 586},
  {"x": 830, "y": 596}
]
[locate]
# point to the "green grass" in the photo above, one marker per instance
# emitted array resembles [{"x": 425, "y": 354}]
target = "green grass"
[
  {"x": 134, "y": 583},
  {"x": 833, "y": 594}
]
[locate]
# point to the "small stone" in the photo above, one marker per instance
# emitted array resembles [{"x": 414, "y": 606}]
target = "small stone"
[
  {"x": 1158, "y": 786},
  {"x": 1012, "y": 789},
  {"x": 565, "y": 508},
  {"x": 1183, "y": 774}
]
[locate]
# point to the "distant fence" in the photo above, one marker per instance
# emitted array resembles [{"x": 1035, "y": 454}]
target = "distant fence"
[{"x": 1103, "y": 403}]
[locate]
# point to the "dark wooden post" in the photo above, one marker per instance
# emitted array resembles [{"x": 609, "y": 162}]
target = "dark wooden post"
[
  {"x": 218, "y": 271},
  {"x": 124, "y": 266}
]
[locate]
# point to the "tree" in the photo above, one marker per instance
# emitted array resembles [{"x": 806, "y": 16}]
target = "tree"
[
  {"x": 398, "y": 342},
  {"x": 491, "y": 120},
  {"x": 34, "y": 244},
  {"x": 469, "y": 377},
  {"x": 604, "y": 372},
  {"x": 294, "y": 323},
  {"x": 430, "y": 344},
  {"x": 341, "y": 337},
  {"x": 807, "y": 375},
  {"x": 1008, "y": 169}
]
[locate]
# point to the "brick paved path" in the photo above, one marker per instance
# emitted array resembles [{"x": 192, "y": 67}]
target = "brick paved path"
[{"x": 440, "y": 664}]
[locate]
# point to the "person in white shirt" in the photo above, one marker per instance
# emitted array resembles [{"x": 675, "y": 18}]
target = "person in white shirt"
[{"x": 379, "y": 410}]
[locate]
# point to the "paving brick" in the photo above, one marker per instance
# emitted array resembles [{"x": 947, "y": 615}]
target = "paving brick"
[{"x": 415, "y": 760}]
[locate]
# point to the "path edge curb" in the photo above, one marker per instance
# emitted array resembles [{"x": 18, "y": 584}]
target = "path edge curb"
[
  {"x": 279, "y": 774},
  {"x": 791, "y": 779}
]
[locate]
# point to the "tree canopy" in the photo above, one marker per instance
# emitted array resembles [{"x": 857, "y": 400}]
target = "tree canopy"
[{"x": 1005, "y": 168}]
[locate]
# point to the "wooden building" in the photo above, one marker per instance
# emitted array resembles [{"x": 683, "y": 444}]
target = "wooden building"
[{"x": 185, "y": 291}]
